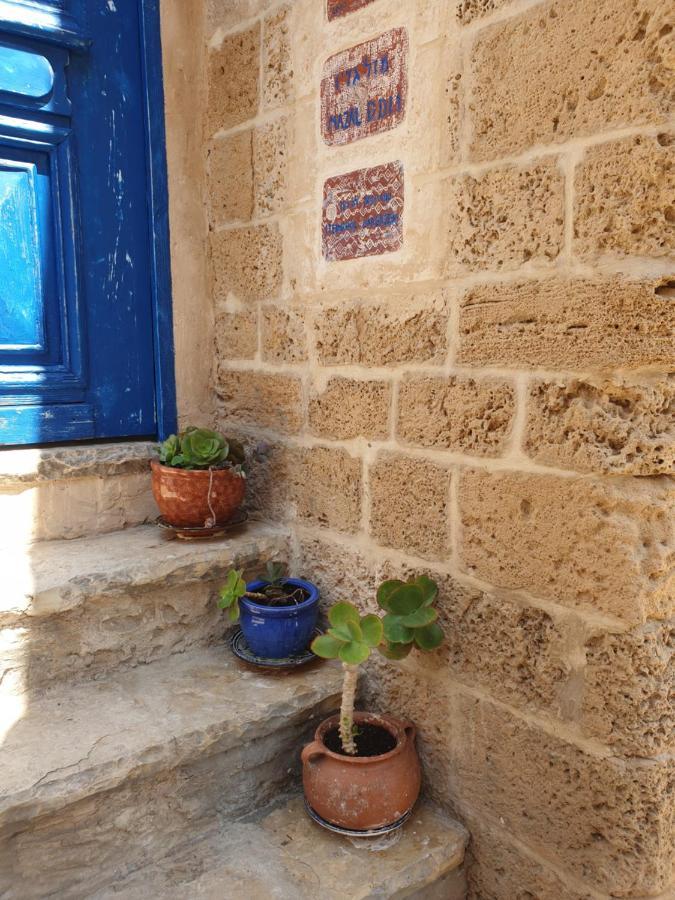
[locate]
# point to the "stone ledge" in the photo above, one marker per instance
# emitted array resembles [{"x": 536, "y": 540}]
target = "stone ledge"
[
  {"x": 57, "y": 576},
  {"x": 76, "y": 742},
  {"x": 280, "y": 852},
  {"x": 25, "y": 467}
]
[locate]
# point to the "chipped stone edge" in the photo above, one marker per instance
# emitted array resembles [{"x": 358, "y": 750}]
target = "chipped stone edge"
[{"x": 33, "y": 466}]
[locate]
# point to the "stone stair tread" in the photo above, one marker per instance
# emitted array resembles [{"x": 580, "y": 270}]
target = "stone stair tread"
[
  {"x": 59, "y": 575},
  {"x": 79, "y": 740},
  {"x": 279, "y": 852}
]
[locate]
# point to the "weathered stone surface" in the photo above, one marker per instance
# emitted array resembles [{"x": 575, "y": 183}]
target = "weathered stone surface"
[
  {"x": 629, "y": 681},
  {"x": 271, "y": 148},
  {"x": 456, "y": 413},
  {"x": 283, "y": 334},
  {"x": 53, "y": 463},
  {"x": 605, "y": 820},
  {"x": 269, "y": 468},
  {"x": 468, "y": 10},
  {"x": 350, "y": 408},
  {"x": 136, "y": 766},
  {"x": 233, "y": 76},
  {"x": 227, "y": 14},
  {"x": 616, "y": 427},
  {"x": 326, "y": 488},
  {"x": 279, "y": 852},
  {"x": 624, "y": 200},
  {"x": 236, "y": 334},
  {"x": 506, "y": 217},
  {"x": 383, "y": 334},
  {"x": 556, "y": 323},
  {"x": 340, "y": 572},
  {"x": 576, "y": 541},
  {"x": 257, "y": 398},
  {"x": 564, "y": 70},
  {"x": 409, "y": 505},
  {"x": 277, "y": 73},
  {"x": 247, "y": 262},
  {"x": 230, "y": 178}
]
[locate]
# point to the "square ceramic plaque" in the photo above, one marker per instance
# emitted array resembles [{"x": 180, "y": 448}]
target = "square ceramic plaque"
[
  {"x": 364, "y": 90},
  {"x": 363, "y": 212},
  {"x": 337, "y": 8}
]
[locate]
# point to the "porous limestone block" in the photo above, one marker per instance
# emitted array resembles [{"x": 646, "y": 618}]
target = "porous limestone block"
[
  {"x": 570, "y": 324},
  {"x": 624, "y": 200},
  {"x": 409, "y": 505},
  {"x": 390, "y": 333},
  {"x": 226, "y": 14},
  {"x": 229, "y": 164},
  {"x": 580, "y": 542},
  {"x": 469, "y": 10},
  {"x": 456, "y": 413},
  {"x": 617, "y": 427},
  {"x": 269, "y": 470},
  {"x": 261, "y": 399},
  {"x": 628, "y": 690},
  {"x": 349, "y": 408},
  {"x": 326, "y": 488},
  {"x": 340, "y": 572},
  {"x": 247, "y": 262},
  {"x": 505, "y": 217},
  {"x": 563, "y": 70},
  {"x": 271, "y": 150},
  {"x": 236, "y": 334},
  {"x": 233, "y": 76},
  {"x": 606, "y": 820},
  {"x": 277, "y": 71},
  {"x": 283, "y": 335}
]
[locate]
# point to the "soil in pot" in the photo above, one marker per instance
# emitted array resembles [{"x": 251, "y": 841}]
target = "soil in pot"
[
  {"x": 280, "y": 595},
  {"x": 370, "y": 740}
]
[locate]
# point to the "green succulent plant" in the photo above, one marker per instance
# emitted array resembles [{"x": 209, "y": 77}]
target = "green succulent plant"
[
  {"x": 199, "y": 448},
  {"x": 409, "y": 621},
  {"x": 230, "y": 593}
]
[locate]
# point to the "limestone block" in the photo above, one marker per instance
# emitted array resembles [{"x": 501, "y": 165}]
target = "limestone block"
[
  {"x": 468, "y": 10},
  {"x": 456, "y": 413},
  {"x": 559, "y": 323},
  {"x": 606, "y": 820},
  {"x": 617, "y": 427},
  {"x": 51, "y": 463},
  {"x": 271, "y": 148},
  {"x": 230, "y": 178},
  {"x": 261, "y": 399},
  {"x": 383, "y": 334},
  {"x": 625, "y": 198},
  {"x": 277, "y": 73},
  {"x": 236, "y": 335},
  {"x": 283, "y": 334},
  {"x": 350, "y": 408},
  {"x": 579, "y": 542},
  {"x": 340, "y": 572},
  {"x": 409, "y": 505},
  {"x": 505, "y": 217},
  {"x": 228, "y": 14},
  {"x": 247, "y": 262},
  {"x": 628, "y": 690},
  {"x": 326, "y": 488},
  {"x": 270, "y": 465},
  {"x": 562, "y": 70},
  {"x": 233, "y": 73}
]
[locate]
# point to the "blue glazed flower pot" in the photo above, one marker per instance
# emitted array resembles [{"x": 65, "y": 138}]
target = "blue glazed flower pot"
[{"x": 276, "y": 632}]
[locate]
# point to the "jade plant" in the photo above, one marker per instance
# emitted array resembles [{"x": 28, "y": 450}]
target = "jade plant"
[
  {"x": 199, "y": 448},
  {"x": 409, "y": 622}
]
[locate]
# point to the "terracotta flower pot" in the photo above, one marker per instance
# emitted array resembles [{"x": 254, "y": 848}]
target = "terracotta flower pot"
[
  {"x": 193, "y": 497},
  {"x": 362, "y": 792}
]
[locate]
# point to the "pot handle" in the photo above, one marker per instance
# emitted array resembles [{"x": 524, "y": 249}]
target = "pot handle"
[
  {"x": 410, "y": 730},
  {"x": 312, "y": 752}
]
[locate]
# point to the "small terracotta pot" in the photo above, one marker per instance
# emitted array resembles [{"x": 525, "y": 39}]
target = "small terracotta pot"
[
  {"x": 192, "y": 497},
  {"x": 362, "y": 792}
]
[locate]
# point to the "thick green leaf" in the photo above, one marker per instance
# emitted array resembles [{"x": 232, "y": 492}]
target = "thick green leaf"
[
  {"x": 384, "y": 592},
  {"x": 341, "y": 633},
  {"x": 354, "y": 629},
  {"x": 344, "y": 612},
  {"x": 421, "y": 617},
  {"x": 405, "y": 599},
  {"x": 354, "y": 653},
  {"x": 372, "y": 629},
  {"x": 429, "y": 638},
  {"x": 428, "y": 587},
  {"x": 395, "y": 631},
  {"x": 233, "y": 612},
  {"x": 395, "y": 651},
  {"x": 326, "y": 647}
]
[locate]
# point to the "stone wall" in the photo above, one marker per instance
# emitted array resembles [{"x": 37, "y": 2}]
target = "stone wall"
[{"x": 490, "y": 404}]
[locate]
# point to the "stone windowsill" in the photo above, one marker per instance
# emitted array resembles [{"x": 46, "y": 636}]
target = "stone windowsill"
[{"x": 29, "y": 466}]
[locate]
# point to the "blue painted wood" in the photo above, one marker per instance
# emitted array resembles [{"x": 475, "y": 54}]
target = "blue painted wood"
[
  {"x": 45, "y": 21},
  {"x": 87, "y": 306},
  {"x": 23, "y": 72}
]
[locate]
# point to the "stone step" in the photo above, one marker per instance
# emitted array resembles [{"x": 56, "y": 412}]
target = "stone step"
[
  {"x": 99, "y": 779},
  {"x": 69, "y": 492},
  {"x": 280, "y": 853},
  {"x": 74, "y": 609}
]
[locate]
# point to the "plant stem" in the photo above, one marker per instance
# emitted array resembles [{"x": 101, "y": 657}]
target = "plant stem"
[
  {"x": 253, "y": 596},
  {"x": 347, "y": 708}
]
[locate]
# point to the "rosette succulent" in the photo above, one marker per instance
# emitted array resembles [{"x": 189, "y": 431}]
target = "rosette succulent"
[{"x": 199, "y": 448}]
